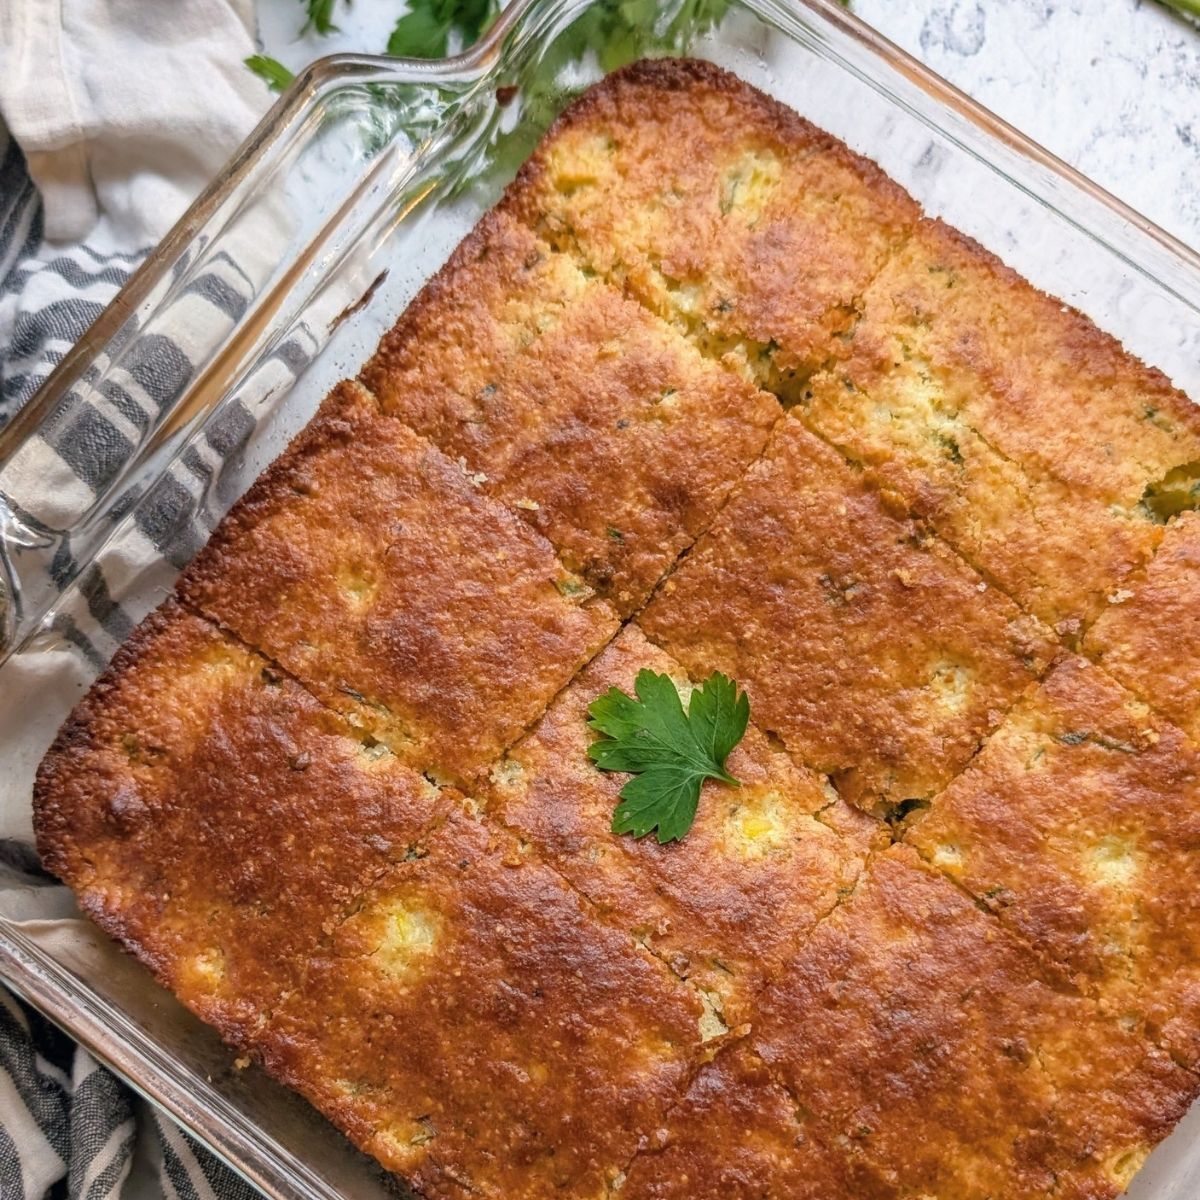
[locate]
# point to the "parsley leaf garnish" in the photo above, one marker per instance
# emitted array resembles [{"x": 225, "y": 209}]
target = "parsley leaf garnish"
[
  {"x": 668, "y": 752},
  {"x": 276, "y": 76}
]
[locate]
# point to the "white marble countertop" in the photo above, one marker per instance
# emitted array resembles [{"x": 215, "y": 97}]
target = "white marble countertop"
[{"x": 1112, "y": 86}]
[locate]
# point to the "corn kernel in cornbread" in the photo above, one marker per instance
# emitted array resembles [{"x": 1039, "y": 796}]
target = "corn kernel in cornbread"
[
  {"x": 214, "y": 817},
  {"x": 1149, "y": 637},
  {"x": 874, "y": 656},
  {"x": 737, "y": 1135},
  {"x": 1079, "y": 824},
  {"x": 473, "y": 1021},
  {"x": 931, "y": 1045},
  {"x": 753, "y": 875},
  {"x": 719, "y": 208},
  {"x": 365, "y": 563},
  {"x": 1029, "y": 439},
  {"x": 605, "y": 430}
]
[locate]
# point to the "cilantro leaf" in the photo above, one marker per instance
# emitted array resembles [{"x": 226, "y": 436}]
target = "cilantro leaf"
[
  {"x": 276, "y": 76},
  {"x": 668, "y": 752}
]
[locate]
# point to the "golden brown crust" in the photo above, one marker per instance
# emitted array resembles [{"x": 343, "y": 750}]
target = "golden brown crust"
[
  {"x": 365, "y": 563},
  {"x": 473, "y": 1020},
  {"x": 721, "y": 907},
  {"x": 1022, "y": 433},
  {"x": 934, "y": 1048},
  {"x": 1149, "y": 638},
  {"x": 473, "y": 1007},
  {"x": 875, "y": 657},
  {"x": 1079, "y": 824},
  {"x": 215, "y": 818},
  {"x": 720, "y": 208},
  {"x": 737, "y": 1135},
  {"x": 605, "y": 429}
]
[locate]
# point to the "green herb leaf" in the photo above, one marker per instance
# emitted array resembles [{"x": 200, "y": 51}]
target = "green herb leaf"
[
  {"x": 425, "y": 30},
  {"x": 419, "y": 34},
  {"x": 320, "y": 16},
  {"x": 276, "y": 76},
  {"x": 668, "y": 752}
]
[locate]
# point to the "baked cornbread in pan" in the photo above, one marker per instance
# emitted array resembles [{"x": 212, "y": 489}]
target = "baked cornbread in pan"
[
  {"x": 1079, "y": 824},
  {"x": 872, "y": 651},
  {"x": 755, "y": 874},
  {"x": 705, "y": 392},
  {"x": 217, "y": 819},
  {"x": 365, "y": 563},
  {"x": 605, "y": 429}
]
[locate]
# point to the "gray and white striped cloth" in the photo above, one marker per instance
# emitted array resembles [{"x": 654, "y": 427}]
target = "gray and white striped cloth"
[{"x": 68, "y": 1127}]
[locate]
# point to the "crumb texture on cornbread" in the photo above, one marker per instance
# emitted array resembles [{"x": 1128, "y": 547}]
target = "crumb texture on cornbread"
[
  {"x": 872, "y": 652},
  {"x": 366, "y": 564},
  {"x": 706, "y": 391},
  {"x": 217, "y": 819},
  {"x": 934, "y": 1049},
  {"x": 1149, "y": 637},
  {"x": 1022, "y": 433},
  {"x": 720, "y": 209},
  {"x": 737, "y": 1135},
  {"x": 472, "y": 1023},
  {"x": 754, "y": 875},
  {"x": 1079, "y": 824},
  {"x": 606, "y": 430}
]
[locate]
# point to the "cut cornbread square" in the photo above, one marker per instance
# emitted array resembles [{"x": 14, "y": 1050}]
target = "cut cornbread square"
[
  {"x": 1079, "y": 824},
  {"x": 604, "y": 428},
  {"x": 876, "y": 656},
  {"x": 473, "y": 1021},
  {"x": 1027, "y": 437},
  {"x": 722, "y": 906},
  {"x": 719, "y": 208},
  {"x": 737, "y": 1135},
  {"x": 365, "y": 563},
  {"x": 1149, "y": 637},
  {"x": 217, "y": 819},
  {"x": 934, "y": 1047}
]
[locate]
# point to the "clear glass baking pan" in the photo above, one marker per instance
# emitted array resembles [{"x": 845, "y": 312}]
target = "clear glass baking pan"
[{"x": 277, "y": 283}]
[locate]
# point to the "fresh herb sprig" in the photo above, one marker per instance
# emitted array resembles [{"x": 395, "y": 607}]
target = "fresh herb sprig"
[
  {"x": 271, "y": 71},
  {"x": 426, "y": 29},
  {"x": 668, "y": 752},
  {"x": 1187, "y": 8}
]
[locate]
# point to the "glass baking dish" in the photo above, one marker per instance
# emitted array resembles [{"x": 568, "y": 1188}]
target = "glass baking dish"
[{"x": 277, "y": 283}]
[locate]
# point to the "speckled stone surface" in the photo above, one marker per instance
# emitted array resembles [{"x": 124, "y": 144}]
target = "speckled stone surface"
[{"x": 1112, "y": 86}]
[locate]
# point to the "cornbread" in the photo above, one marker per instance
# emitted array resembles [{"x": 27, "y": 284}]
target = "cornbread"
[
  {"x": 619, "y": 474},
  {"x": 720, "y": 209},
  {"x": 935, "y": 1050},
  {"x": 471, "y": 1024},
  {"x": 737, "y": 1135},
  {"x": 1079, "y": 824},
  {"x": 755, "y": 874},
  {"x": 706, "y": 392},
  {"x": 365, "y": 563},
  {"x": 188, "y": 752},
  {"x": 954, "y": 393},
  {"x": 875, "y": 654},
  {"x": 1149, "y": 637}
]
